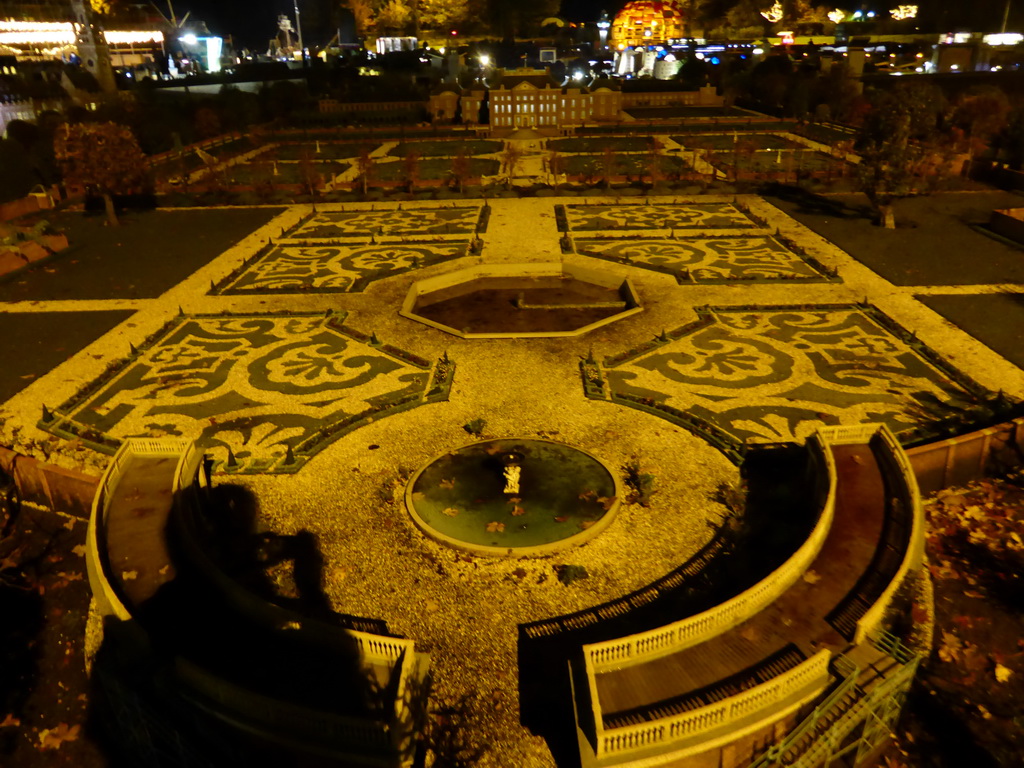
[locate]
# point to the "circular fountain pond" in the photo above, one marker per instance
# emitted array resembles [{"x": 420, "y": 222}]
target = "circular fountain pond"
[
  {"x": 513, "y": 497},
  {"x": 496, "y": 301}
]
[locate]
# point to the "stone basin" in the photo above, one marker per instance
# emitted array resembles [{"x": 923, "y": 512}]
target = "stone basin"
[
  {"x": 565, "y": 497},
  {"x": 495, "y": 301}
]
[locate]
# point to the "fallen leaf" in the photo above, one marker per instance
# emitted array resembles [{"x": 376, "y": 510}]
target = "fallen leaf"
[
  {"x": 513, "y": 500},
  {"x": 517, "y": 511},
  {"x": 561, "y": 519},
  {"x": 79, "y": 550},
  {"x": 1003, "y": 673},
  {"x": 812, "y": 577},
  {"x": 950, "y": 648},
  {"x": 447, "y": 484},
  {"x": 607, "y": 501},
  {"x": 129, "y": 575},
  {"x": 584, "y": 524},
  {"x": 588, "y": 495},
  {"x": 450, "y": 511},
  {"x": 52, "y": 738},
  {"x": 495, "y": 527},
  {"x": 10, "y": 722}
]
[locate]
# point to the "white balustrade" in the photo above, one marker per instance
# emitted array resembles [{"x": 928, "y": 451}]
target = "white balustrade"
[
  {"x": 811, "y": 673},
  {"x": 914, "y": 553},
  {"x": 695, "y": 629}
]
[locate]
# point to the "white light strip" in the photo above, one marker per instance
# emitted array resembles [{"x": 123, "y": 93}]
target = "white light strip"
[{"x": 45, "y": 33}]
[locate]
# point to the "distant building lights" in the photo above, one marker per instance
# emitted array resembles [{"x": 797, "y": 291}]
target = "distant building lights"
[
  {"x": 871, "y": 14},
  {"x": 904, "y": 12},
  {"x": 485, "y": 60},
  {"x": 836, "y": 16},
  {"x": 954, "y": 67},
  {"x": 1003, "y": 38},
  {"x": 189, "y": 39},
  {"x": 63, "y": 33},
  {"x": 773, "y": 14},
  {"x": 857, "y": 14},
  {"x": 757, "y": 51}
]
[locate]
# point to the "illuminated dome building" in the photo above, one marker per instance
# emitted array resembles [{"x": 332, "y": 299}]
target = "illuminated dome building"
[{"x": 648, "y": 22}]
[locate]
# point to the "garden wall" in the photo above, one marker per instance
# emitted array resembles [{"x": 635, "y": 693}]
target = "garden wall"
[
  {"x": 64, "y": 490},
  {"x": 29, "y": 204},
  {"x": 1009, "y": 223},
  {"x": 959, "y": 460}
]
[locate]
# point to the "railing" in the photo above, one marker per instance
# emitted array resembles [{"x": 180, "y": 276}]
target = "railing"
[
  {"x": 811, "y": 674},
  {"x": 838, "y": 726},
  {"x": 849, "y": 672},
  {"x": 853, "y": 434},
  {"x": 830, "y": 741},
  {"x": 96, "y": 562},
  {"x": 682, "y": 634},
  {"x": 378, "y": 647},
  {"x": 910, "y": 499},
  {"x": 672, "y": 581}
]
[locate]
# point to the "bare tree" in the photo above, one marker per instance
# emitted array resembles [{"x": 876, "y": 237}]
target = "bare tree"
[{"x": 511, "y": 157}]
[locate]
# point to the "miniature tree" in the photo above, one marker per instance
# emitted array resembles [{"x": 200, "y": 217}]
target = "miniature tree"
[
  {"x": 310, "y": 175},
  {"x": 460, "y": 170},
  {"x": 556, "y": 164},
  {"x": 410, "y": 169},
  {"x": 207, "y": 123},
  {"x": 367, "y": 168},
  {"x": 653, "y": 163},
  {"x": 899, "y": 148},
  {"x": 981, "y": 113},
  {"x": 102, "y": 158},
  {"x": 510, "y": 159},
  {"x": 607, "y": 166}
]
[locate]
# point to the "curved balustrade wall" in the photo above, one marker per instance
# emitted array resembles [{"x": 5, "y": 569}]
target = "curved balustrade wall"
[{"x": 696, "y": 629}]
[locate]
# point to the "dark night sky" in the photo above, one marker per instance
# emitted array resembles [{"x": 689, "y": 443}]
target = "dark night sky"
[{"x": 254, "y": 22}]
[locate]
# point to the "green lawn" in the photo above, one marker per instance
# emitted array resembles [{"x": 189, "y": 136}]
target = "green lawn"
[
  {"x": 624, "y": 165},
  {"x": 780, "y": 161},
  {"x": 451, "y": 148},
  {"x": 286, "y": 172},
  {"x": 317, "y": 151},
  {"x": 187, "y": 160},
  {"x": 598, "y": 144},
  {"x": 433, "y": 168},
  {"x": 725, "y": 141},
  {"x": 824, "y": 134}
]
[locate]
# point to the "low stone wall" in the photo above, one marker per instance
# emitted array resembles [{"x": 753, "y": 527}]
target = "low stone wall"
[
  {"x": 63, "y": 490},
  {"x": 959, "y": 460},
  {"x": 1009, "y": 223},
  {"x": 29, "y": 204}
]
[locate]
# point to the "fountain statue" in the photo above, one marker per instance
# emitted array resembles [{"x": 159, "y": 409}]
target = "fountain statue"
[{"x": 511, "y": 462}]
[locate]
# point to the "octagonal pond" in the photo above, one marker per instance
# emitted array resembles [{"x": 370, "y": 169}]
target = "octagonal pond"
[{"x": 521, "y": 300}]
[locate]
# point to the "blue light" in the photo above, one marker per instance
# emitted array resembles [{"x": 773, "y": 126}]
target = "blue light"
[{"x": 715, "y": 60}]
